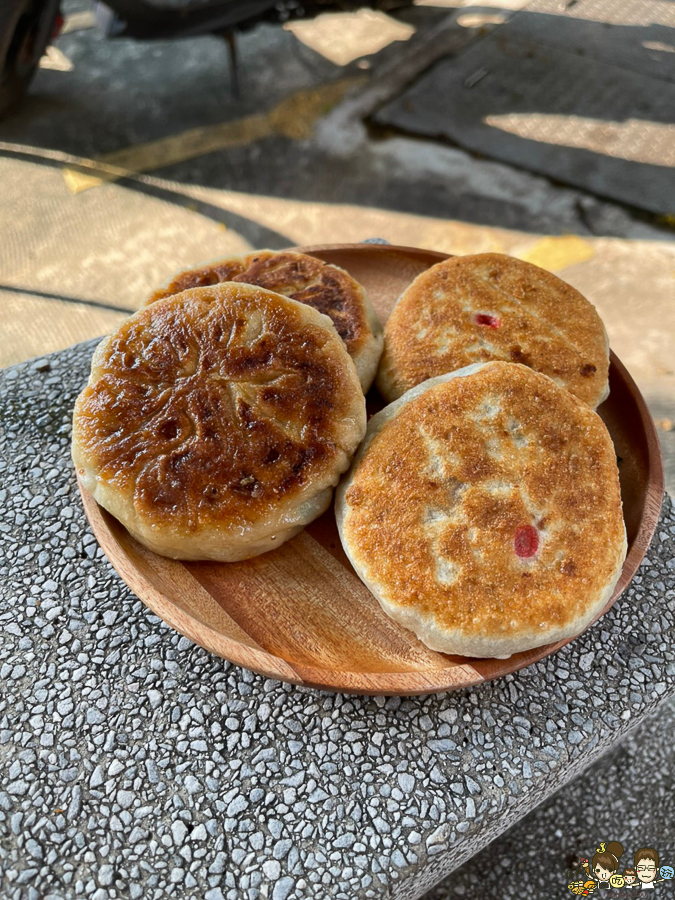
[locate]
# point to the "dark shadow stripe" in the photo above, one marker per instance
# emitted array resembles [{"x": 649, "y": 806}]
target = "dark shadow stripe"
[{"x": 43, "y": 295}]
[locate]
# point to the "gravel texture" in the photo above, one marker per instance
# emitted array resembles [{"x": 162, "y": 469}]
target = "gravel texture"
[
  {"x": 135, "y": 764},
  {"x": 627, "y": 796}
]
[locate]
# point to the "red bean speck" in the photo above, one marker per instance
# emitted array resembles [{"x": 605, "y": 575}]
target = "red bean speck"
[
  {"x": 486, "y": 319},
  {"x": 526, "y": 541}
]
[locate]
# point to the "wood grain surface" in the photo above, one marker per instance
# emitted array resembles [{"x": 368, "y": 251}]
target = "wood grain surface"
[{"x": 300, "y": 614}]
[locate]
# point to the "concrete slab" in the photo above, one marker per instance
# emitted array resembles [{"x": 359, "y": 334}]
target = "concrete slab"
[
  {"x": 70, "y": 266},
  {"x": 540, "y": 93},
  {"x": 34, "y": 324},
  {"x": 105, "y": 248},
  {"x": 626, "y": 796}
]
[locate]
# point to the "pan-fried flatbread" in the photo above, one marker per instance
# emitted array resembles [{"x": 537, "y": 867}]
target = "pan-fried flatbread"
[
  {"x": 216, "y": 423},
  {"x": 472, "y": 309},
  {"x": 483, "y": 511}
]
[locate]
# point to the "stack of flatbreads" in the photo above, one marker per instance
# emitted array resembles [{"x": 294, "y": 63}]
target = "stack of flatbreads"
[{"x": 481, "y": 507}]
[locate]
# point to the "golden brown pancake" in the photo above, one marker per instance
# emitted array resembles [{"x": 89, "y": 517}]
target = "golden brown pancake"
[
  {"x": 329, "y": 289},
  {"x": 483, "y": 511},
  {"x": 216, "y": 423},
  {"x": 471, "y": 309}
]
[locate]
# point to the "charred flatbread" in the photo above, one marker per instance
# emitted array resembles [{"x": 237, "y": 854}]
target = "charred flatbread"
[
  {"x": 327, "y": 288},
  {"x": 216, "y": 423}
]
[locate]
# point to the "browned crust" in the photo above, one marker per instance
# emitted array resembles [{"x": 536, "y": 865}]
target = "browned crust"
[
  {"x": 544, "y": 323},
  {"x": 216, "y": 405},
  {"x": 326, "y": 288},
  {"x": 454, "y": 475}
]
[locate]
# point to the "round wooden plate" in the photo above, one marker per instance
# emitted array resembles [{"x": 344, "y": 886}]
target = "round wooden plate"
[{"x": 300, "y": 613}]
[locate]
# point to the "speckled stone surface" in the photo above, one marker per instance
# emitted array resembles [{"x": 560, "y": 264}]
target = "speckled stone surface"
[
  {"x": 628, "y": 795},
  {"x": 134, "y": 764}
]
